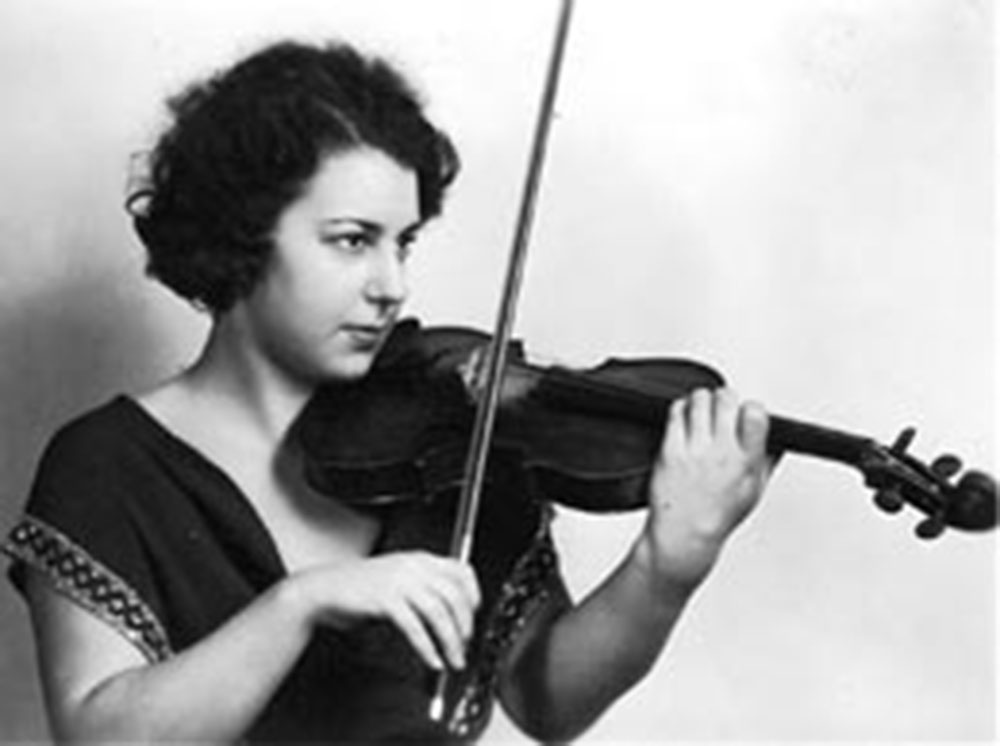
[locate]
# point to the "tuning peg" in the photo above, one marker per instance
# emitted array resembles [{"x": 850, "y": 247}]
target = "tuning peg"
[
  {"x": 889, "y": 499},
  {"x": 946, "y": 466},
  {"x": 931, "y": 527},
  {"x": 903, "y": 441}
]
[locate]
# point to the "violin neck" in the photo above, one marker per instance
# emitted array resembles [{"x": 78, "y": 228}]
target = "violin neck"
[{"x": 792, "y": 436}]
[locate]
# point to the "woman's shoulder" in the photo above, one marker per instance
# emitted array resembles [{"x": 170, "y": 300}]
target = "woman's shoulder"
[
  {"x": 98, "y": 477},
  {"x": 101, "y": 433}
]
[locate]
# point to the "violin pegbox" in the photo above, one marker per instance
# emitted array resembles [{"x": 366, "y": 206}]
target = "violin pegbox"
[{"x": 900, "y": 479}]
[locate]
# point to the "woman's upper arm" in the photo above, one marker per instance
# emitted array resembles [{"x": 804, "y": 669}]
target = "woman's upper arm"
[
  {"x": 77, "y": 651},
  {"x": 523, "y": 674}
]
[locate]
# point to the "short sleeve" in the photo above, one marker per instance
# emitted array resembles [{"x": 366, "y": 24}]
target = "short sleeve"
[
  {"x": 77, "y": 534},
  {"x": 534, "y": 583}
]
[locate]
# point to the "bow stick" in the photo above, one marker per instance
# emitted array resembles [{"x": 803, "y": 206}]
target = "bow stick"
[{"x": 496, "y": 352}]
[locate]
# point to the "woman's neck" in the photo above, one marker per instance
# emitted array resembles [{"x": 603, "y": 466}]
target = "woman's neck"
[{"x": 233, "y": 373}]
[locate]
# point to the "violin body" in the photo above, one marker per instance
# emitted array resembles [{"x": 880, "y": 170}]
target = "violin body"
[
  {"x": 403, "y": 431},
  {"x": 588, "y": 438}
]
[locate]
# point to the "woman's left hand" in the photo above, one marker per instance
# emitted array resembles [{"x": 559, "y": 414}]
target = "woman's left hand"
[{"x": 708, "y": 476}]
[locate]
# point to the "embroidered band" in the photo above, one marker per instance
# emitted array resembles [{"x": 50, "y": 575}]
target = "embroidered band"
[
  {"x": 76, "y": 574},
  {"x": 523, "y": 592}
]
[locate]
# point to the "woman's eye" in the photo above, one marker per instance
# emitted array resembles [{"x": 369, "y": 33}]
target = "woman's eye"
[
  {"x": 404, "y": 246},
  {"x": 352, "y": 243},
  {"x": 404, "y": 249}
]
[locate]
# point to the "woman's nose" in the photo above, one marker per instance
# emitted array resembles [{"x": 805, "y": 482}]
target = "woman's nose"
[{"x": 387, "y": 283}]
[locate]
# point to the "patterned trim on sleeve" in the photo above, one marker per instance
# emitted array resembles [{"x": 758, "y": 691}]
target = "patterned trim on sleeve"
[
  {"x": 84, "y": 580},
  {"x": 525, "y": 591}
]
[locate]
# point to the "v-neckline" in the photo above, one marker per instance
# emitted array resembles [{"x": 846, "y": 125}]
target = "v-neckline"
[
  {"x": 194, "y": 455},
  {"x": 204, "y": 463}
]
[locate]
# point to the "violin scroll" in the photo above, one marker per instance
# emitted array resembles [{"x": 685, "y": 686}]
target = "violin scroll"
[{"x": 968, "y": 503}]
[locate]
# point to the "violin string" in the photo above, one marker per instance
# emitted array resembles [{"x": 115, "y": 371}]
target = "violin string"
[{"x": 607, "y": 396}]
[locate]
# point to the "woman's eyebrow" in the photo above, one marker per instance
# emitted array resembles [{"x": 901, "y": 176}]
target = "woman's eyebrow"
[
  {"x": 414, "y": 228},
  {"x": 371, "y": 226}
]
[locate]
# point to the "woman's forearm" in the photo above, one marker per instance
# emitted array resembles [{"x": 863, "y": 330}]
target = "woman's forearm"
[
  {"x": 596, "y": 651},
  {"x": 210, "y": 693},
  {"x": 215, "y": 690}
]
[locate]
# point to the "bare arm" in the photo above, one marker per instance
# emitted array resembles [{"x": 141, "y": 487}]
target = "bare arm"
[
  {"x": 99, "y": 688},
  {"x": 571, "y": 666}
]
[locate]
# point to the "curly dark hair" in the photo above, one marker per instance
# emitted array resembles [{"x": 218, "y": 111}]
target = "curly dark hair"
[{"x": 243, "y": 144}]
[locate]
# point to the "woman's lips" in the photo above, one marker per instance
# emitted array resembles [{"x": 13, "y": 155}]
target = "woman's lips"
[{"x": 366, "y": 335}]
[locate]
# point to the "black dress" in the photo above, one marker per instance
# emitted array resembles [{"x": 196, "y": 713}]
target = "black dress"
[{"x": 148, "y": 535}]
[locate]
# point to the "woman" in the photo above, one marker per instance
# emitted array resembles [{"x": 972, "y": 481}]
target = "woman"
[{"x": 186, "y": 584}]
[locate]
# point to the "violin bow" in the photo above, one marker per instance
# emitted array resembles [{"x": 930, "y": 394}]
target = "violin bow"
[{"x": 496, "y": 352}]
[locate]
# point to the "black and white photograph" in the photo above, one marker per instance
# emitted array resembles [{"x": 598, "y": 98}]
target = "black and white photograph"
[{"x": 463, "y": 371}]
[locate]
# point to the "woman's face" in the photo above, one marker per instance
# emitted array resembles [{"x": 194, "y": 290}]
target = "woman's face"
[{"x": 336, "y": 280}]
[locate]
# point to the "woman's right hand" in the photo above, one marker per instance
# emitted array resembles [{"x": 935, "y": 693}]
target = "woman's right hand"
[{"x": 431, "y": 599}]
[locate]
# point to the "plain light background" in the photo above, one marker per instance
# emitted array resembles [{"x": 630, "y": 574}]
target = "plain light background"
[{"x": 799, "y": 193}]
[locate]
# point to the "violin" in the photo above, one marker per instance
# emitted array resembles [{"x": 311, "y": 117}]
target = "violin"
[{"x": 588, "y": 438}]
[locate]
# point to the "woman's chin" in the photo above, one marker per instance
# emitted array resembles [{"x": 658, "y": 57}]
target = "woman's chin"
[{"x": 348, "y": 368}]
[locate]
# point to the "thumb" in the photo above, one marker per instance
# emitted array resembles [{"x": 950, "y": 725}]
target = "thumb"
[{"x": 753, "y": 428}]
